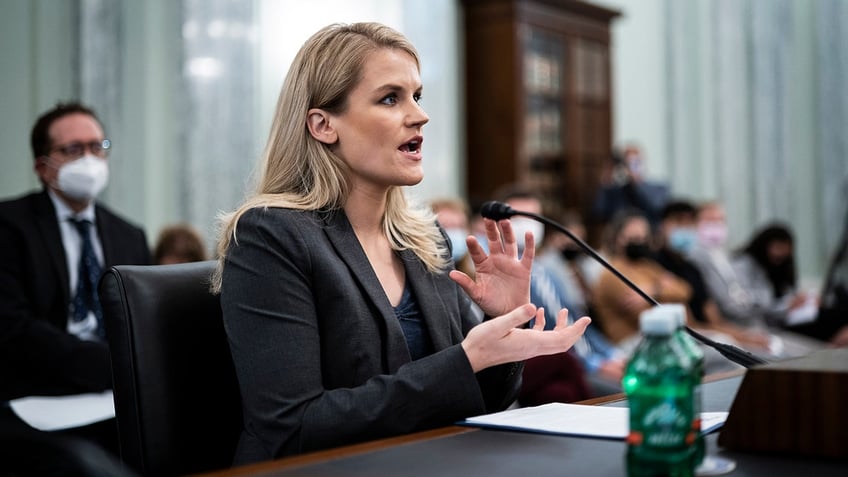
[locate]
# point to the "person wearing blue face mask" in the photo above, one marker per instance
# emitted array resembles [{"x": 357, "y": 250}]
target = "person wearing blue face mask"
[
  {"x": 452, "y": 215},
  {"x": 677, "y": 238},
  {"x": 683, "y": 239}
]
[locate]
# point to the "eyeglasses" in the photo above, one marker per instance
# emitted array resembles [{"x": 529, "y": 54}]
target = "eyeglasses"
[{"x": 76, "y": 150}]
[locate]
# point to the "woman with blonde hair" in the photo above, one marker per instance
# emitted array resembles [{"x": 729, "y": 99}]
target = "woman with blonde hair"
[{"x": 343, "y": 321}]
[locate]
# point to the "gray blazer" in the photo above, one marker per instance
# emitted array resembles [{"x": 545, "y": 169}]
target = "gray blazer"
[{"x": 320, "y": 356}]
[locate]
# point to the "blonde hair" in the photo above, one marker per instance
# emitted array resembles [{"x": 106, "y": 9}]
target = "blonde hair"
[{"x": 300, "y": 172}]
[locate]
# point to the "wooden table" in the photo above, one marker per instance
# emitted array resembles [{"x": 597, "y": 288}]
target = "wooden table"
[{"x": 467, "y": 451}]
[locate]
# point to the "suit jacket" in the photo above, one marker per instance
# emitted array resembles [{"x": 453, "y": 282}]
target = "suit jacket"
[
  {"x": 320, "y": 356},
  {"x": 648, "y": 196},
  {"x": 37, "y": 355}
]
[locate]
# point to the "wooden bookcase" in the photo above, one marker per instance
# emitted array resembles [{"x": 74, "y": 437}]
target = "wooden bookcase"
[{"x": 538, "y": 98}]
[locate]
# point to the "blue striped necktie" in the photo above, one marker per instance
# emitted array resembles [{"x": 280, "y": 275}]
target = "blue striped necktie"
[{"x": 86, "y": 299}]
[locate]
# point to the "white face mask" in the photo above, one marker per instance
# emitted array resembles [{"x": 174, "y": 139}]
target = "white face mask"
[
  {"x": 521, "y": 225},
  {"x": 83, "y": 178}
]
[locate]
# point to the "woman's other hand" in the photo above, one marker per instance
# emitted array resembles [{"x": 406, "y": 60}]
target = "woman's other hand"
[{"x": 501, "y": 340}]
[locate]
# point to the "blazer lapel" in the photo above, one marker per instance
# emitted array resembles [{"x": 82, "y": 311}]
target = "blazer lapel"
[
  {"x": 48, "y": 228},
  {"x": 341, "y": 235},
  {"x": 429, "y": 291}
]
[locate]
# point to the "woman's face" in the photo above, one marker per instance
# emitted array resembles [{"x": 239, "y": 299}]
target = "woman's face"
[
  {"x": 779, "y": 252},
  {"x": 380, "y": 132},
  {"x": 636, "y": 230}
]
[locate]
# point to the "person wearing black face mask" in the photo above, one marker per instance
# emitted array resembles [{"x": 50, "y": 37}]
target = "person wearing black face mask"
[
  {"x": 616, "y": 306},
  {"x": 637, "y": 250},
  {"x": 570, "y": 254},
  {"x": 568, "y": 261}
]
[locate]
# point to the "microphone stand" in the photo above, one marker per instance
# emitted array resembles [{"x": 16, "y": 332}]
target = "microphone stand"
[{"x": 497, "y": 210}]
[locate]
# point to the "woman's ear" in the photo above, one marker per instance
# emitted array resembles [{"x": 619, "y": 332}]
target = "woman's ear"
[{"x": 318, "y": 122}]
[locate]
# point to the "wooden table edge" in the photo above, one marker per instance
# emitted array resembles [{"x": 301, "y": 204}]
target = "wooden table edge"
[
  {"x": 365, "y": 447},
  {"x": 339, "y": 452}
]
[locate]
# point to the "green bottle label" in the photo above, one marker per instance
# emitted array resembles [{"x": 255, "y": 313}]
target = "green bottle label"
[{"x": 665, "y": 423}]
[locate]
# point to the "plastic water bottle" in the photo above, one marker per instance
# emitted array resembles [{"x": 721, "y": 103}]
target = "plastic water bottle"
[
  {"x": 659, "y": 382},
  {"x": 697, "y": 356}
]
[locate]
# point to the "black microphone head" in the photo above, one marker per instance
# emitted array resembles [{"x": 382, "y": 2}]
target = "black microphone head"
[{"x": 496, "y": 210}]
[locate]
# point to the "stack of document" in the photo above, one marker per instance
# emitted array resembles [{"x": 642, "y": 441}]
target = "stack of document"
[
  {"x": 53, "y": 413},
  {"x": 575, "y": 420}
]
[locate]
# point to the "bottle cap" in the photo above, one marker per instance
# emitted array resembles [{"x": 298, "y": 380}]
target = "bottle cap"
[
  {"x": 661, "y": 319},
  {"x": 679, "y": 311}
]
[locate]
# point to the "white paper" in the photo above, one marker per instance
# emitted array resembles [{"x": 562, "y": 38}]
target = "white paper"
[
  {"x": 575, "y": 419},
  {"x": 805, "y": 313},
  {"x": 51, "y": 413}
]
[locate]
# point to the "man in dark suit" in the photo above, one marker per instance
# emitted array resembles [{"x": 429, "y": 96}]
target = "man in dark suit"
[
  {"x": 627, "y": 187},
  {"x": 54, "y": 244}
]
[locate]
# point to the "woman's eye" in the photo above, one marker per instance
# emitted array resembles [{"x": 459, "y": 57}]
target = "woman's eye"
[
  {"x": 390, "y": 99},
  {"x": 417, "y": 97}
]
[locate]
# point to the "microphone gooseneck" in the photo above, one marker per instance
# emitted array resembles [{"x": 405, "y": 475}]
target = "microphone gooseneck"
[{"x": 498, "y": 211}]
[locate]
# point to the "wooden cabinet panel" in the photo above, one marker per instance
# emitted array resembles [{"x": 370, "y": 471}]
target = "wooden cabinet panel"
[{"x": 538, "y": 107}]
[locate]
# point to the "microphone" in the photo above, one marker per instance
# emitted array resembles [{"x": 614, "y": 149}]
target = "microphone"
[{"x": 498, "y": 211}]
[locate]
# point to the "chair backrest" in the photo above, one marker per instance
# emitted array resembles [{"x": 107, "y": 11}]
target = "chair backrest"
[{"x": 177, "y": 401}]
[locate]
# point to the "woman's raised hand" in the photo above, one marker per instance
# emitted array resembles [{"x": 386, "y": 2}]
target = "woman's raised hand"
[
  {"x": 500, "y": 340},
  {"x": 502, "y": 280}
]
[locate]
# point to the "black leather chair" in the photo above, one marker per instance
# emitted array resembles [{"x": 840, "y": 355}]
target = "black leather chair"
[{"x": 177, "y": 402}]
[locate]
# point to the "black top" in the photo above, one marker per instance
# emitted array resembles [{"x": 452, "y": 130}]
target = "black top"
[
  {"x": 678, "y": 265},
  {"x": 414, "y": 329}
]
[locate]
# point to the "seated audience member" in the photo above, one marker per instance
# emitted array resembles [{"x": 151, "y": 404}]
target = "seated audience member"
[
  {"x": 628, "y": 188},
  {"x": 714, "y": 262},
  {"x": 179, "y": 243},
  {"x": 617, "y": 307},
  {"x": 556, "y": 378},
  {"x": 597, "y": 361},
  {"x": 735, "y": 300},
  {"x": 452, "y": 215},
  {"x": 54, "y": 245},
  {"x": 564, "y": 259},
  {"x": 831, "y": 324},
  {"x": 344, "y": 315},
  {"x": 477, "y": 224},
  {"x": 766, "y": 268},
  {"x": 677, "y": 238}
]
